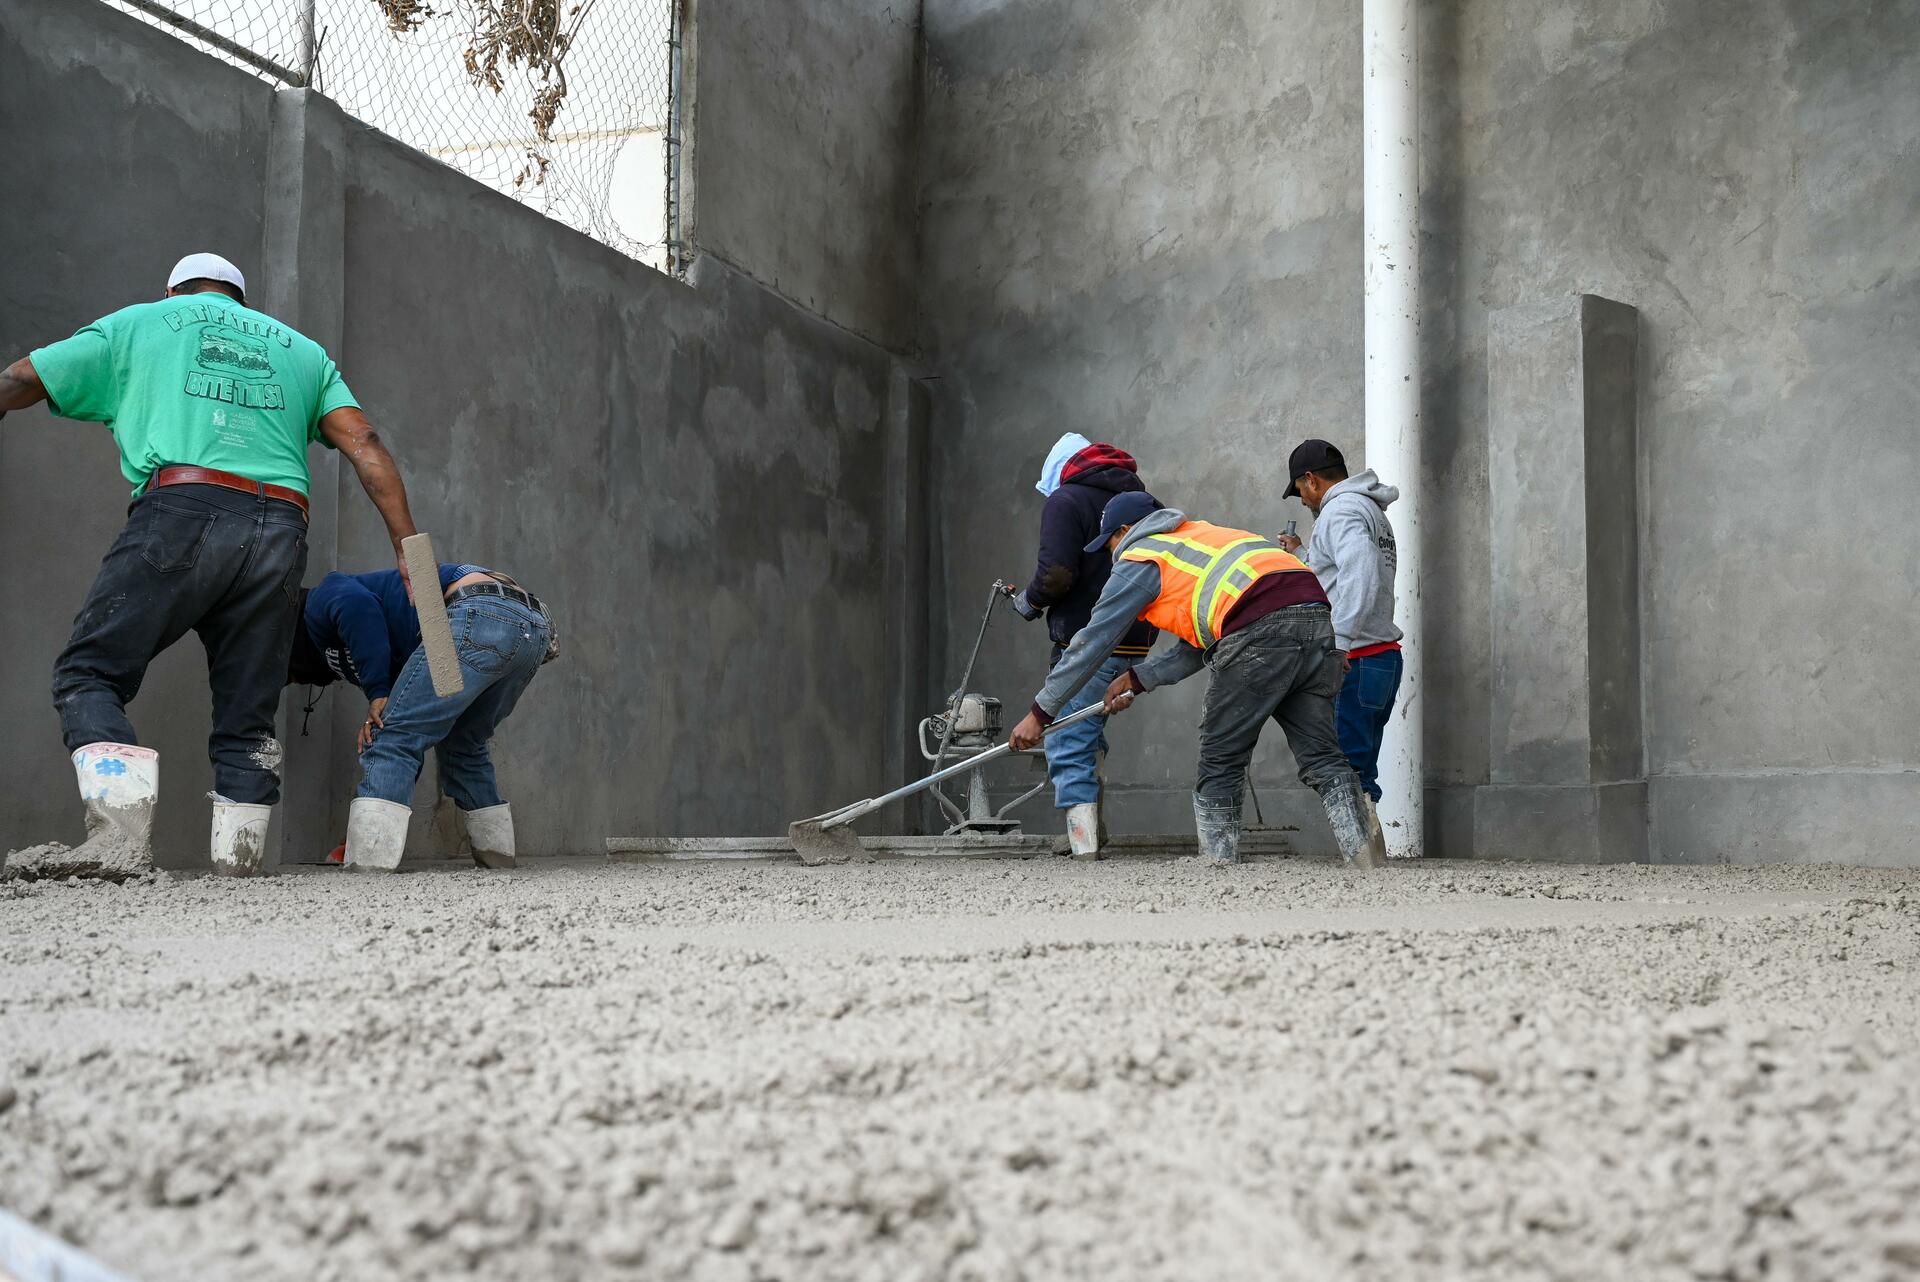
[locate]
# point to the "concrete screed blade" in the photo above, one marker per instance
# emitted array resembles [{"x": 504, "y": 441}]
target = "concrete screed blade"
[
  {"x": 816, "y": 845},
  {"x": 435, "y": 634}
]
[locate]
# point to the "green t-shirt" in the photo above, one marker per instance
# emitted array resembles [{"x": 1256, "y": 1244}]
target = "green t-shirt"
[{"x": 197, "y": 379}]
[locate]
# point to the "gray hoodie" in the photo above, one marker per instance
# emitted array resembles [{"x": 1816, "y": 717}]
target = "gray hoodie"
[
  {"x": 1353, "y": 553},
  {"x": 1131, "y": 588}
]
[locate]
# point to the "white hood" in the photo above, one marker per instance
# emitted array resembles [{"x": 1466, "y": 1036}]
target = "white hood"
[{"x": 1063, "y": 449}]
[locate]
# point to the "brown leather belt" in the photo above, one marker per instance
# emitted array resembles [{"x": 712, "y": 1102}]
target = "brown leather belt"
[{"x": 182, "y": 474}]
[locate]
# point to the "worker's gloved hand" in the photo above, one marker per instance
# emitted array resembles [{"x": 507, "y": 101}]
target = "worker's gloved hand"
[
  {"x": 1025, "y": 608},
  {"x": 1027, "y": 734},
  {"x": 1120, "y": 694}
]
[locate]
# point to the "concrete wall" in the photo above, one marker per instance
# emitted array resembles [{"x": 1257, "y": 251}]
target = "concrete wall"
[
  {"x": 694, "y": 475},
  {"x": 1748, "y": 176},
  {"x": 1142, "y": 221},
  {"x": 803, "y": 130}
]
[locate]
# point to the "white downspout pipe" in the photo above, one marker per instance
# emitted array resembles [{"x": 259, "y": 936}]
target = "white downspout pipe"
[{"x": 1391, "y": 229}]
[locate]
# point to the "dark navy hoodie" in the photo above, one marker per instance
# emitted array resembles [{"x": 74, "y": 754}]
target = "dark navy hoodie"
[
  {"x": 1068, "y": 578},
  {"x": 362, "y": 627}
]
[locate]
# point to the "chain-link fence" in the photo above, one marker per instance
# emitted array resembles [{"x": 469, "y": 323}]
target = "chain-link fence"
[{"x": 609, "y": 164}]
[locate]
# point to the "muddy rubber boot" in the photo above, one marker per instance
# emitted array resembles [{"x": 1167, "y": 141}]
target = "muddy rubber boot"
[
  {"x": 1376, "y": 835},
  {"x": 491, "y": 833},
  {"x": 1361, "y": 843},
  {"x": 376, "y": 834},
  {"x": 239, "y": 838},
  {"x": 1083, "y": 830},
  {"x": 119, "y": 784},
  {"x": 1218, "y": 828}
]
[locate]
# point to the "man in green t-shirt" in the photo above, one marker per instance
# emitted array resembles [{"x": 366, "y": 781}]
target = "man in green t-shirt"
[{"x": 212, "y": 405}]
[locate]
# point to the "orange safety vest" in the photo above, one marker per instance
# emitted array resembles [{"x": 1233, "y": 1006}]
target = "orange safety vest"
[{"x": 1204, "y": 571}]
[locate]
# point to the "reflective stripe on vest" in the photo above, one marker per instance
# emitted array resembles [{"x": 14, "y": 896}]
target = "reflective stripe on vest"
[{"x": 1204, "y": 571}]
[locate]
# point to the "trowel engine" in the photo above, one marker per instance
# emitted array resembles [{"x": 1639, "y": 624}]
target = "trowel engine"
[{"x": 968, "y": 724}]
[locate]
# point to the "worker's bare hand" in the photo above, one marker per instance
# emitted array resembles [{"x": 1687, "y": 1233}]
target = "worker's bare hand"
[
  {"x": 406, "y": 579},
  {"x": 1027, "y": 735},
  {"x": 1291, "y": 542},
  {"x": 1120, "y": 693},
  {"x": 376, "y": 718}
]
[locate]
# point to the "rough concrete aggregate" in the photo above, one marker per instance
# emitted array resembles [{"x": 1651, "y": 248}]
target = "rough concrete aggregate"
[{"x": 547, "y": 1073}]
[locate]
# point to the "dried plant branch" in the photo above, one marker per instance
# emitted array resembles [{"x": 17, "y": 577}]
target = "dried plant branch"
[{"x": 535, "y": 34}]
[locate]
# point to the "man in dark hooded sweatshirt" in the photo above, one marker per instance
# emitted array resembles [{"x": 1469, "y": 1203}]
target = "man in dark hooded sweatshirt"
[{"x": 1077, "y": 479}]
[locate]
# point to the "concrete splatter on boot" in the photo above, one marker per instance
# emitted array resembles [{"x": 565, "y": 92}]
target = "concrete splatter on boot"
[
  {"x": 1218, "y": 828},
  {"x": 1083, "y": 830},
  {"x": 1376, "y": 835},
  {"x": 239, "y": 844},
  {"x": 1361, "y": 843},
  {"x": 119, "y": 784},
  {"x": 376, "y": 834},
  {"x": 490, "y": 830}
]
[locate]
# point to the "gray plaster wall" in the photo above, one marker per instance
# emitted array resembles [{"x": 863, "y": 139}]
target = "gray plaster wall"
[
  {"x": 803, "y": 145},
  {"x": 1142, "y": 221},
  {"x": 1747, "y": 176},
  {"x": 695, "y": 475},
  {"x": 690, "y": 475}
]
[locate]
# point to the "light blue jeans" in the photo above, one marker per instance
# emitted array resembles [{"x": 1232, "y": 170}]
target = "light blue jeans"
[
  {"x": 500, "y": 643},
  {"x": 1073, "y": 754}
]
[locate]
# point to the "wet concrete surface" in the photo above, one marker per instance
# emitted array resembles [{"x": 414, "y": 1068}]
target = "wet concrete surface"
[{"x": 970, "y": 1070}]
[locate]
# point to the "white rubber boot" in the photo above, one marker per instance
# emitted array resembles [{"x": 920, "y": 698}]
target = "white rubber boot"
[
  {"x": 1083, "y": 830},
  {"x": 490, "y": 831},
  {"x": 376, "y": 834},
  {"x": 239, "y": 838},
  {"x": 119, "y": 784}
]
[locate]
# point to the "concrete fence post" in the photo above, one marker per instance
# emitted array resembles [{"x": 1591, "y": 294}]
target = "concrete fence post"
[{"x": 302, "y": 275}]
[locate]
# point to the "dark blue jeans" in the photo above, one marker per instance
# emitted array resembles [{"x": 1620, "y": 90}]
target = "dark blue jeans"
[
  {"x": 195, "y": 558},
  {"x": 500, "y": 643},
  {"x": 1361, "y": 712}
]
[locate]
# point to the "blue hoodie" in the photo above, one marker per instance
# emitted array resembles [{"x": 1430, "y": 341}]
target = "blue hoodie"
[{"x": 364, "y": 627}]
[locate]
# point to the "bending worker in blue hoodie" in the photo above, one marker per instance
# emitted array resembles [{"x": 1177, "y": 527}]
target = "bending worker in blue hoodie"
[
  {"x": 363, "y": 627},
  {"x": 1352, "y": 551},
  {"x": 1078, "y": 479},
  {"x": 1249, "y": 611}
]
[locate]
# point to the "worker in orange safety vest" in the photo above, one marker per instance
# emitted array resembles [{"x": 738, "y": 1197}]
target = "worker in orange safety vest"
[{"x": 1243, "y": 606}]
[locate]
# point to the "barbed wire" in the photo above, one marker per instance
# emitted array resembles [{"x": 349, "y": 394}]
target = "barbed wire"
[{"x": 608, "y": 162}]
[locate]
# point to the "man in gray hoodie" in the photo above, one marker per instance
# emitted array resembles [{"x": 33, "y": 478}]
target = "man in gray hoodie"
[{"x": 1352, "y": 551}]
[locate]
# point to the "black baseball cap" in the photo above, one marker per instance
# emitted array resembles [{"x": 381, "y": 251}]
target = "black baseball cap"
[
  {"x": 1122, "y": 509},
  {"x": 1311, "y": 456}
]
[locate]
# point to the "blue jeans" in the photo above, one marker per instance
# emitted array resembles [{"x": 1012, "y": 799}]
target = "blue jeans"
[
  {"x": 1073, "y": 754},
  {"x": 500, "y": 644},
  {"x": 1361, "y": 712}
]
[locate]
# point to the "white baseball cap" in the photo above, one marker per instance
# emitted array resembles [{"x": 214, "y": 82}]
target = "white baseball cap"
[{"x": 207, "y": 267}]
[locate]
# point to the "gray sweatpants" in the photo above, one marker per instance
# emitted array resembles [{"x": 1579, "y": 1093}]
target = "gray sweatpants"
[{"x": 1281, "y": 666}]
